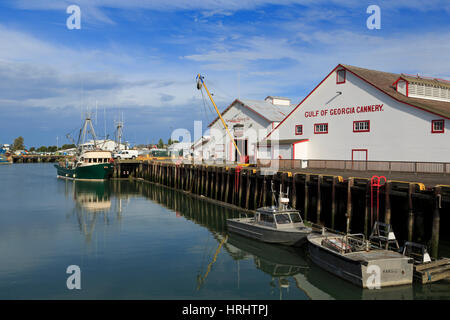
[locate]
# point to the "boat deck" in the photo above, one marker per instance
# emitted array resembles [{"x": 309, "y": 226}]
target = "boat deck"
[{"x": 371, "y": 255}]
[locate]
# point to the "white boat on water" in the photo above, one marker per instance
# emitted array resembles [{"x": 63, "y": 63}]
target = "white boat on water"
[{"x": 276, "y": 224}]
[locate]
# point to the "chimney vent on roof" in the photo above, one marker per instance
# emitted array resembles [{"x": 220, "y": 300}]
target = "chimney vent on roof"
[
  {"x": 416, "y": 86},
  {"x": 278, "y": 101}
]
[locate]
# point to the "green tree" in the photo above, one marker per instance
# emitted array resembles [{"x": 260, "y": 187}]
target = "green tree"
[
  {"x": 32, "y": 149},
  {"x": 169, "y": 142},
  {"x": 160, "y": 143},
  {"x": 68, "y": 146},
  {"x": 18, "y": 144},
  {"x": 42, "y": 149}
]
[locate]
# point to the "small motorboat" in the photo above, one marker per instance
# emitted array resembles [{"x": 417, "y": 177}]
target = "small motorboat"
[
  {"x": 360, "y": 261},
  {"x": 278, "y": 224}
]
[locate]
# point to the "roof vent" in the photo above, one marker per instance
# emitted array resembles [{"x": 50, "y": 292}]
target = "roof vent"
[
  {"x": 423, "y": 87},
  {"x": 278, "y": 101}
]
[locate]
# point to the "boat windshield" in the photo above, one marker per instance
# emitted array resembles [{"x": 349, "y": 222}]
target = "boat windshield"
[
  {"x": 295, "y": 217},
  {"x": 283, "y": 218}
]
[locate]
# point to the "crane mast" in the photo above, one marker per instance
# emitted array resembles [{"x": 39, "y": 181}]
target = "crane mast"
[{"x": 200, "y": 84}]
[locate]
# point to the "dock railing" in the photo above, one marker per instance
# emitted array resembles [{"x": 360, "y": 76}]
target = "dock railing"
[{"x": 358, "y": 165}]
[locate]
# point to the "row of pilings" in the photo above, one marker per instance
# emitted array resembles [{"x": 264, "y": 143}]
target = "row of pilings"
[{"x": 348, "y": 205}]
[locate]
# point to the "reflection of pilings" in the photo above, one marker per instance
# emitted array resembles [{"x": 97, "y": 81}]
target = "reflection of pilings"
[{"x": 325, "y": 199}]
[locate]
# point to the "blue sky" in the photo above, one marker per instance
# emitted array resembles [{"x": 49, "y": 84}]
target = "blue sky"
[{"x": 140, "y": 58}]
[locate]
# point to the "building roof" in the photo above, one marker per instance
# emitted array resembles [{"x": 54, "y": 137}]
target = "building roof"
[
  {"x": 277, "y": 97},
  {"x": 264, "y": 109},
  {"x": 426, "y": 80},
  {"x": 384, "y": 82}
]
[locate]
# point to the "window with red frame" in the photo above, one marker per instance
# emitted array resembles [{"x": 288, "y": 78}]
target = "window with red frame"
[
  {"x": 340, "y": 76},
  {"x": 437, "y": 126},
  {"x": 361, "y": 126},
  {"x": 299, "y": 130},
  {"x": 321, "y": 128}
]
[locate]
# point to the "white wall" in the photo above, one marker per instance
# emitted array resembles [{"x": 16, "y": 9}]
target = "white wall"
[
  {"x": 255, "y": 129},
  {"x": 399, "y": 132}
]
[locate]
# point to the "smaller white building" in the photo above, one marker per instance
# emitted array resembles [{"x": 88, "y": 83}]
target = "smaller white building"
[
  {"x": 249, "y": 121},
  {"x": 107, "y": 145}
]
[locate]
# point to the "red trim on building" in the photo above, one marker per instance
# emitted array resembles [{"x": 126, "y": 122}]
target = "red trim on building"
[
  {"x": 366, "y": 150},
  {"x": 387, "y": 93},
  {"x": 316, "y": 132},
  {"x": 368, "y": 129},
  {"x": 298, "y": 134},
  {"x": 437, "y": 131},
  {"x": 303, "y": 100},
  {"x": 337, "y": 76},
  {"x": 407, "y": 88},
  {"x": 341, "y": 66}
]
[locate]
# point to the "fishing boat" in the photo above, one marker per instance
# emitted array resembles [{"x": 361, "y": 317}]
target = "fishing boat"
[
  {"x": 89, "y": 164},
  {"x": 278, "y": 224},
  {"x": 360, "y": 261}
]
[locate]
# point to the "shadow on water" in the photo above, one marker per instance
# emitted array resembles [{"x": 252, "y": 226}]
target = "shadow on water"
[{"x": 286, "y": 266}]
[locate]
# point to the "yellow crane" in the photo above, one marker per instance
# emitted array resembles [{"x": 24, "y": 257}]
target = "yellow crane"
[{"x": 200, "y": 84}]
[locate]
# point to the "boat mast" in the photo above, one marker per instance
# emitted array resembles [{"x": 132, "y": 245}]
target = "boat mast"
[{"x": 87, "y": 128}]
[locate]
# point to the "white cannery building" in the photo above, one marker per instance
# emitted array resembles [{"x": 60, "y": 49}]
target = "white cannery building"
[
  {"x": 361, "y": 114},
  {"x": 249, "y": 121}
]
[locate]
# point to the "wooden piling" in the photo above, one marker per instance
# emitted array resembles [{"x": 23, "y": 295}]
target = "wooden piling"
[
  {"x": 411, "y": 190},
  {"x": 387, "y": 203},
  {"x": 349, "y": 203},
  {"x": 436, "y": 221},
  {"x": 307, "y": 178},
  {"x": 319, "y": 198},
  {"x": 333, "y": 201}
]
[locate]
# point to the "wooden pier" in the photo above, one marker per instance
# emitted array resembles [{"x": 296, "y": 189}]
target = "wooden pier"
[{"x": 417, "y": 213}]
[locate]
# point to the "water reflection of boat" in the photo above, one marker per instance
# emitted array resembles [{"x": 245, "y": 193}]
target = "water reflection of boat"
[
  {"x": 92, "y": 199},
  {"x": 92, "y": 196},
  {"x": 281, "y": 263}
]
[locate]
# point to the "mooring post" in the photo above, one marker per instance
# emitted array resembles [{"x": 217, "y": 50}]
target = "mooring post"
[
  {"x": 349, "y": 202},
  {"x": 436, "y": 221},
  {"x": 227, "y": 184},
  {"x": 387, "y": 208},
  {"x": 206, "y": 192},
  {"x": 294, "y": 191},
  {"x": 411, "y": 189},
  {"x": 255, "y": 188},
  {"x": 319, "y": 198},
  {"x": 248, "y": 188},
  {"x": 307, "y": 178},
  {"x": 216, "y": 183},
  {"x": 333, "y": 201}
]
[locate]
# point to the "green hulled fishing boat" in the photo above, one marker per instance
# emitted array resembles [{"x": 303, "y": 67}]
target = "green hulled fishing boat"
[{"x": 91, "y": 164}]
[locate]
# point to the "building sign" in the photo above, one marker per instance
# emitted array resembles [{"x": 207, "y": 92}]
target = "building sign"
[{"x": 344, "y": 111}]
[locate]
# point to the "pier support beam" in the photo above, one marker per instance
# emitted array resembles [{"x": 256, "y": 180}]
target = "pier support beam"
[
  {"x": 411, "y": 190},
  {"x": 436, "y": 221},
  {"x": 349, "y": 203}
]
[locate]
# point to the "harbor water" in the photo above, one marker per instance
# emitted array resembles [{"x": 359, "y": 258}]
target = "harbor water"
[{"x": 136, "y": 240}]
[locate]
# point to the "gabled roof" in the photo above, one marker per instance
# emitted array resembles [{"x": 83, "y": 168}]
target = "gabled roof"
[
  {"x": 425, "y": 80},
  {"x": 264, "y": 109},
  {"x": 383, "y": 81}
]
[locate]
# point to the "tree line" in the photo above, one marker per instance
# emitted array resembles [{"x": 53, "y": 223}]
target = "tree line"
[{"x": 19, "y": 145}]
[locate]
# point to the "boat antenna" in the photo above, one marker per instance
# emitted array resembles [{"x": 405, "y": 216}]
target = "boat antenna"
[{"x": 273, "y": 194}]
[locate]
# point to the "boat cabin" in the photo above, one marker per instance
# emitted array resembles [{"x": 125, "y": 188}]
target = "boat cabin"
[
  {"x": 272, "y": 217},
  {"x": 95, "y": 157}
]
